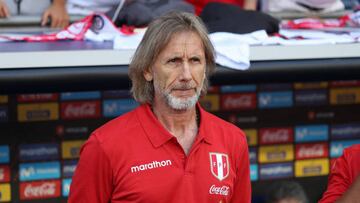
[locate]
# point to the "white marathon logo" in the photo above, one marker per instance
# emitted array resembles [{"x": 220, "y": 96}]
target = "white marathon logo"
[{"x": 151, "y": 165}]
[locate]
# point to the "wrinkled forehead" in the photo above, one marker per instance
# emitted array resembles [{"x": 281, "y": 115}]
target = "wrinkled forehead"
[{"x": 183, "y": 39}]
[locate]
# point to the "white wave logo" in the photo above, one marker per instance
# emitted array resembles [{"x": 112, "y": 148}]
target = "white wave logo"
[
  {"x": 66, "y": 188},
  {"x": 337, "y": 149},
  {"x": 111, "y": 108},
  {"x": 304, "y": 133},
  {"x": 27, "y": 172},
  {"x": 69, "y": 169},
  {"x": 31, "y": 172},
  {"x": 265, "y": 100}
]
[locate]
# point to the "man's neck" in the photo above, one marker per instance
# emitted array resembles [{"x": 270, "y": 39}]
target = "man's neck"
[{"x": 180, "y": 123}]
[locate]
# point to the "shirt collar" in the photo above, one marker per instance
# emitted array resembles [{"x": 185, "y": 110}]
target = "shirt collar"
[
  {"x": 205, "y": 125},
  {"x": 156, "y": 132}
]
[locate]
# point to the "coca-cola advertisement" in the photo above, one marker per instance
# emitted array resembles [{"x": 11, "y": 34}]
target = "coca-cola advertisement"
[
  {"x": 39, "y": 190},
  {"x": 238, "y": 101},
  {"x": 80, "y": 110},
  {"x": 276, "y": 135},
  {"x": 345, "y": 83},
  {"x": 312, "y": 150},
  {"x": 4, "y": 174}
]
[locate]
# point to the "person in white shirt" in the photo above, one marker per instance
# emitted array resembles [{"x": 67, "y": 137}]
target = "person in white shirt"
[
  {"x": 86, "y": 7},
  {"x": 55, "y": 10}
]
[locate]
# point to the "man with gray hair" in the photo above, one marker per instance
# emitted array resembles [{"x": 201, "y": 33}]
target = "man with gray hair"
[{"x": 168, "y": 149}]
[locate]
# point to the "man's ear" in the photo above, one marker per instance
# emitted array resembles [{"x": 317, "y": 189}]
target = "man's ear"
[{"x": 148, "y": 75}]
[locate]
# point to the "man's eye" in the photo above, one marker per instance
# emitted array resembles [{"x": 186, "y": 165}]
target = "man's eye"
[
  {"x": 195, "y": 59},
  {"x": 174, "y": 60}
]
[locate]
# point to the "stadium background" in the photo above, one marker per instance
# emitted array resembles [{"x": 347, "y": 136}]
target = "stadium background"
[{"x": 294, "y": 131}]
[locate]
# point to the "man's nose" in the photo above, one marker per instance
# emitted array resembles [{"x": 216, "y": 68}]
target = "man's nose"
[{"x": 186, "y": 71}]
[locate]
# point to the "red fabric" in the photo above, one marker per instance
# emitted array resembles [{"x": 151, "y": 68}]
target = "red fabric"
[
  {"x": 105, "y": 169},
  {"x": 343, "y": 172},
  {"x": 200, "y": 4}
]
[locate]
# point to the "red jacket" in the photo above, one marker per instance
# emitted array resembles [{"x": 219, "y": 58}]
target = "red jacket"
[
  {"x": 200, "y": 4},
  {"x": 343, "y": 172}
]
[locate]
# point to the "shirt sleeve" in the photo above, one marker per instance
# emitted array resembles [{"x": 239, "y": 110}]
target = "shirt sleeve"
[
  {"x": 242, "y": 186},
  {"x": 92, "y": 181},
  {"x": 338, "y": 181}
]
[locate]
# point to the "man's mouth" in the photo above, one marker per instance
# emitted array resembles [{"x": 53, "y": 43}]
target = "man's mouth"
[{"x": 183, "y": 92}]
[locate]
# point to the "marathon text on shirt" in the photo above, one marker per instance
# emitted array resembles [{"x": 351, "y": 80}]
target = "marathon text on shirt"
[{"x": 151, "y": 165}]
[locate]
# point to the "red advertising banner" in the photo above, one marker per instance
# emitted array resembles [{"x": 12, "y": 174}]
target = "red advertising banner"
[
  {"x": 276, "y": 135},
  {"x": 311, "y": 150},
  {"x": 80, "y": 110},
  {"x": 238, "y": 101},
  {"x": 4, "y": 174},
  {"x": 40, "y": 189},
  {"x": 37, "y": 97}
]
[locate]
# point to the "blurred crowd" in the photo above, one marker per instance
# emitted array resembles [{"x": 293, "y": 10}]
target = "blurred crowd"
[{"x": 55, "y": 13}]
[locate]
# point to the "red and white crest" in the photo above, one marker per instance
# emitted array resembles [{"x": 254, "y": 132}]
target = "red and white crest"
[{"x": 219, "y": 165}]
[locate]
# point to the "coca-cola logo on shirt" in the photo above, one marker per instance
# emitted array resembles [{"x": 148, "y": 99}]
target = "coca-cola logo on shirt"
[
  {"x": 312, "y": 150},
  {"x": 276, "y": 135},
  {"x": 238, "y": 101},
  {"x": 219, "y": 190},
  {"x": 77, "y": 110},
  {"x": 39, "y": 189}
]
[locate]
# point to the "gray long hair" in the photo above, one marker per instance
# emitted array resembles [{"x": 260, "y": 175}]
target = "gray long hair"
[{"x": 155, "y": 40}]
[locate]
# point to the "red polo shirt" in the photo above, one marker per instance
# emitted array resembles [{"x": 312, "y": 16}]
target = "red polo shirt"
[
  {"x": 343, "y": 172},
  {"x": 134, "y": 159}
]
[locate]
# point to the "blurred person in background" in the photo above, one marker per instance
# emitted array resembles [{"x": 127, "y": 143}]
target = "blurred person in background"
[
  {"x": 351, "y": 4},
  {"x": 286, "y": 192},
  {"x": 344, "y": 179},
  {"x": 87, "y": 7},
  {"x": 51, "y": 11},
  {"x": 136, "y": 13},
  {"x": 169, "y": 149},
  {"x": 245, "y": 4},
  {"x": 305, "y": 6}
]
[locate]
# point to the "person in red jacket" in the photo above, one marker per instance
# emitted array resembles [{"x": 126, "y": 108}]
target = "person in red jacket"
[
  {"x": 344, "y": 178},
  {"x": 169, "y": 149},
  {"x": 246, "y": 4}
]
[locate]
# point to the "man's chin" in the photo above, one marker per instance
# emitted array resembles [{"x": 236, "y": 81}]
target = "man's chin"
[{"x": 182, "y": 103}]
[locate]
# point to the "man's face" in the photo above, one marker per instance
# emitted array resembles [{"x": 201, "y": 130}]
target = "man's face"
[{"x": 179, "y": 71}]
